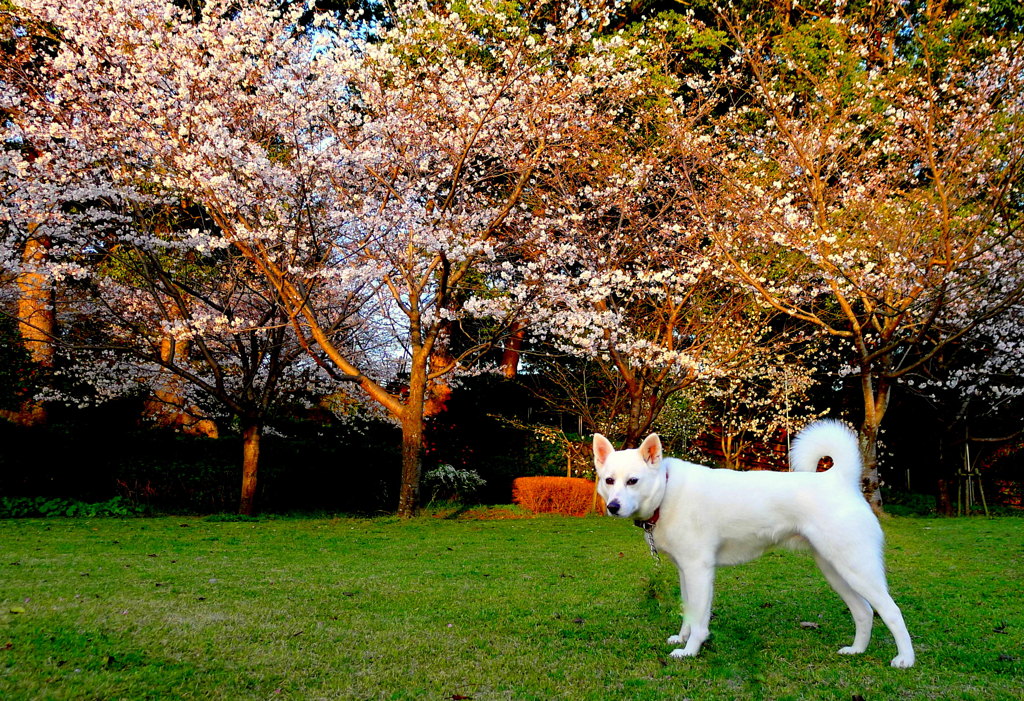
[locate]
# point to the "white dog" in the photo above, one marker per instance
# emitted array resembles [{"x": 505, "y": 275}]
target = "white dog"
[{"x": 702, "y": 518}]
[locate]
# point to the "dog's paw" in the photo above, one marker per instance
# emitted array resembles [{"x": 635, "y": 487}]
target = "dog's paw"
[
  {"x": 902, "y": 661},
  {"x": 680, "y": 652},
  {"x": 681, "y": 638},
  {"x": 851, "y": 650}
]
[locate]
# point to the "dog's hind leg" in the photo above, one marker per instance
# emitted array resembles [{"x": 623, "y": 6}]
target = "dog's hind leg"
[
  {"x": 878, "y": 596},
  {"x": 860, "y": 609},
  {"x": 699, "y": 581},
  {"x": 860, "y": 565}
]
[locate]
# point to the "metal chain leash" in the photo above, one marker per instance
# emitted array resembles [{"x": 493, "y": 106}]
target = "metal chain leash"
[{"x": 649, "y": 537}]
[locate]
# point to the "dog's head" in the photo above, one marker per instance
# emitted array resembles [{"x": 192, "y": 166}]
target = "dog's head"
[{"x": 631, "y": 482}]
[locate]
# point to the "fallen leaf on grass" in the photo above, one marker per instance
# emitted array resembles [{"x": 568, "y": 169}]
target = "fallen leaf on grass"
[
  {"x": 17, "y": 609},
  {"x": 809, "y": 625}
]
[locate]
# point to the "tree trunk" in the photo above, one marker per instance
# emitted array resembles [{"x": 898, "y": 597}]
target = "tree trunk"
[
  {"x": 635, "y": 423},
  {"x": 869, "y": 475},
  {"x": 513, "y": 350},
  {"x": 167, "y": 404},
  {"x": 412, "y": 436},
  {"x": 412, "y": 461},
  {"x": 252, "y": 432},
  {"x": 876, "y": 401},
  {"x": 945, "y": 481},
  {"x": 943, "y": 501},
  {"x": 36, "y": 319},
  {"x": 730, "y": 449},
  {"x": 439, "y": 391}
]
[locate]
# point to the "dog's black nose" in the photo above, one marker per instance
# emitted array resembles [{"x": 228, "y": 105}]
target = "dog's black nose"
[{"x": 613, "y": 507}]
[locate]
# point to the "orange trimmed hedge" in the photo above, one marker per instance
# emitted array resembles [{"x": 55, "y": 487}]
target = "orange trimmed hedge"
[{"x": 572, "y": 496}]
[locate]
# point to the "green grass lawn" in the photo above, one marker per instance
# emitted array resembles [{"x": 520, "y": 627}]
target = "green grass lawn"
[{"x": 545, "y": 608}]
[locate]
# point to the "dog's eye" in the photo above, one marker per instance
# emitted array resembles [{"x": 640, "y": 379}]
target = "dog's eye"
[
  {"x": 631, "y": 481},
  {"x": 609, "y": 480}
]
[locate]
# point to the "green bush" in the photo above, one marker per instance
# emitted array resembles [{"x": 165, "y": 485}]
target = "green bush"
[
  {"x": 908, "y": 503},
  {"x": 193, "y": 480},
  {"x": 36, "y": 507},
  {"x": 448, "y": 483}
]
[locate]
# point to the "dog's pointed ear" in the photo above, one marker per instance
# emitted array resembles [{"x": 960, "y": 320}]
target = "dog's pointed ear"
[
  {"x": 650, "y": 450},
  {"x": 602, "y": 449}
]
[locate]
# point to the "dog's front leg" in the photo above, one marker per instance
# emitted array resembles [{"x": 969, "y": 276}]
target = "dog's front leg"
[
  {"x": 698, "y": 580},
  {"x": 684, "y": 632}
]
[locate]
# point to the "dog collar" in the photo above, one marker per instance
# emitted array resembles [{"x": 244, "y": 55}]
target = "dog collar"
[{"x": 649, "y": 523}]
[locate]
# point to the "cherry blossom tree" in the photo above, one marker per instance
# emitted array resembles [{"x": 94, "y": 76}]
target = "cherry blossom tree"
[
  {"x": 200, "y": 331},
  {"x": 348, "y": 155},
  {"x": 873, "y": 194},
  {"x": 644, "y": 316},
  {"x": 631, "y": 291},
  {"x": 143, "y": 310}
]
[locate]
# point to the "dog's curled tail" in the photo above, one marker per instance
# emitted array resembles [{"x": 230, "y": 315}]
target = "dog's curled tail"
[{"x": 828, "y": 438}]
